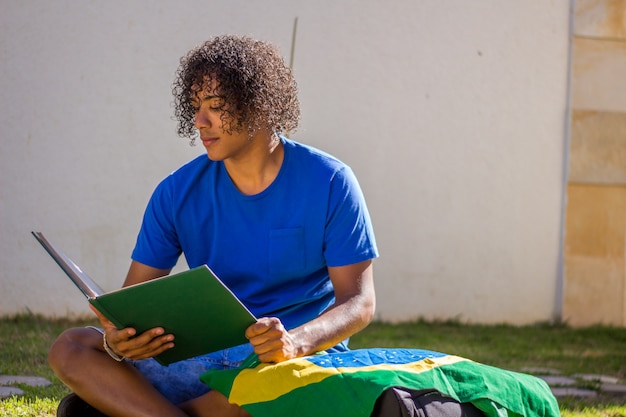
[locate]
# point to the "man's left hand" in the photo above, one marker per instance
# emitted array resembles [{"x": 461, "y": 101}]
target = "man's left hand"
[{"x": 271, "y": 341}]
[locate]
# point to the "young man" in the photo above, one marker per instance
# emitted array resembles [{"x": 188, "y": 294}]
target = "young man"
[{"x": 284, "y": 225}]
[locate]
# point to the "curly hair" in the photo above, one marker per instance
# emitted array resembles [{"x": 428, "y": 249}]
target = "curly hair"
[{"x": 258, "y": 88}]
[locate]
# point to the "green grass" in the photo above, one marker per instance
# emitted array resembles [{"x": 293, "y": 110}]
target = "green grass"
[{"x": 24, "y": 342}]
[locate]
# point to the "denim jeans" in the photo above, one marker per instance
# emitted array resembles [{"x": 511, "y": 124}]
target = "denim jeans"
[{"x": 180, "y": 381}]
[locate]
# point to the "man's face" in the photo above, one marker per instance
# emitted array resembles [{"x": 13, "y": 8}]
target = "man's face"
[{"x": 218, "y": 136}]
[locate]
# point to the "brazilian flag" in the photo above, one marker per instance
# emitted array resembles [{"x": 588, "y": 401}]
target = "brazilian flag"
[{"x": 347, "y": 384}]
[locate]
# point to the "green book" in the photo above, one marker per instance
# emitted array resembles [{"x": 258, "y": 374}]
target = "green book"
[{"x": 195, "y": 306}]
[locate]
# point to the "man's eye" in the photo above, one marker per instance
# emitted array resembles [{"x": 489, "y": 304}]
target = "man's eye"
[{"x": 216, "y": 104}]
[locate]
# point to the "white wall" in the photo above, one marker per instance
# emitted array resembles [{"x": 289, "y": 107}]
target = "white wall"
[{"x": 452, "y": 114}]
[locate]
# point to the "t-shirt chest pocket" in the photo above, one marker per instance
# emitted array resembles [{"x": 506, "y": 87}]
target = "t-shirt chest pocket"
[{"x": 286, "y": 251}]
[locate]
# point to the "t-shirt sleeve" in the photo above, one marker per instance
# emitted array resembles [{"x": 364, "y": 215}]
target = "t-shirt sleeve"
[
  {"x": 349, "y": 235},
  {"x": 157, "y": 243}
]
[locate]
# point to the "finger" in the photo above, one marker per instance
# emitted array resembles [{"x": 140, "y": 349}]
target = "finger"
[
  {"x": 103, "y": 320},
  {"x": 259, "y": 339},
  {"x": 147, "y": 341},
  {"x": 256, "y": 329},
  {"x": 113, "y": 332},
  {"x": 263, "y": 325},
  {"x": 271, "y": 356},
  {"x": 141, "y": 341},
  {"x": 153, "y": 348},
  {"x": 270, "y": 338},
  {"x": 267, "y": 347}
]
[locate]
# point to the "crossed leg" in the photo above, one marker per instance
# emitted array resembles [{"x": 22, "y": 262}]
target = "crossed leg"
[{"x": 117, "y": 388}]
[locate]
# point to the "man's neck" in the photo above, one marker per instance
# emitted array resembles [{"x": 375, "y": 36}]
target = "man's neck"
[{"x": 254, "y": 172}]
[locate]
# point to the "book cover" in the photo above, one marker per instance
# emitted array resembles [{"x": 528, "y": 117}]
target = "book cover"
[{"x": 195, "y": 306}]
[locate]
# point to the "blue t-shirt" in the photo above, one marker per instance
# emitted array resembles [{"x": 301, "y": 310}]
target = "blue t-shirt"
[{"x": 271, "y": 249}]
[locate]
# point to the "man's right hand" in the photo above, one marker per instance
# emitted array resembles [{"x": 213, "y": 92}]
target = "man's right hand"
[{"x": 124, "y": 342}]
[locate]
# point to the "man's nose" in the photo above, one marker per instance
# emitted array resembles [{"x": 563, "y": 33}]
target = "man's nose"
[{"x": 201, "y": 120}]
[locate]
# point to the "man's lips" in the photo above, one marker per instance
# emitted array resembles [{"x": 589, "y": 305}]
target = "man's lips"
[{"x": 206, "y": 140}]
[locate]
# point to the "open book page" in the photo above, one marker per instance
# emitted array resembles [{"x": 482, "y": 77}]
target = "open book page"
[{"x": 84, "y": 283}]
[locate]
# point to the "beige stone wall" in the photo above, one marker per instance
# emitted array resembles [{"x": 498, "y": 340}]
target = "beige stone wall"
[{"x": 595, "y": 227}]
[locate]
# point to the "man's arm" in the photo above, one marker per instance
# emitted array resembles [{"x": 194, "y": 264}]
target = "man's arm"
[
  {"x": 354, "y": 306},
  {"x": 139, "y": 272},
  {"x": 122, "y": 341}
]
